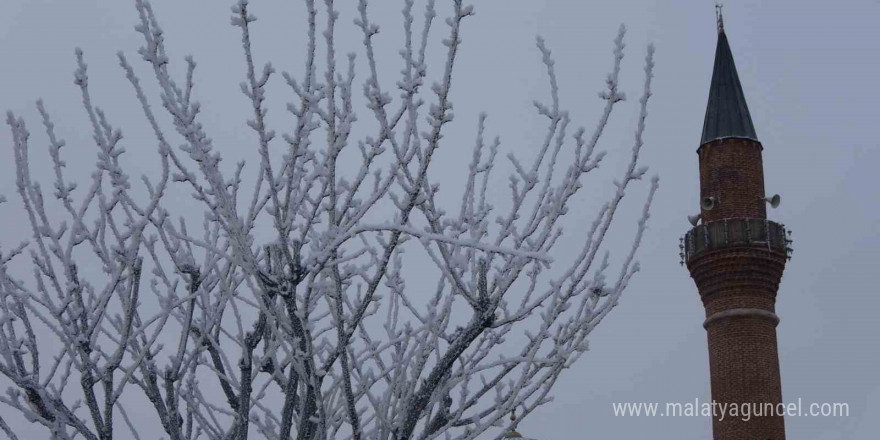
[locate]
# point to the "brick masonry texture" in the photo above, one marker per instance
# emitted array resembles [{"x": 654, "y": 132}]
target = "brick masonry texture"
[
  {"x": 739, "y": 282},
  {"x": 731, "y": 170}
]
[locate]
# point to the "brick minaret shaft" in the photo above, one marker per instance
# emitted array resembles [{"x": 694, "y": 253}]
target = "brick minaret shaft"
[{"x": 736, "y": 258}]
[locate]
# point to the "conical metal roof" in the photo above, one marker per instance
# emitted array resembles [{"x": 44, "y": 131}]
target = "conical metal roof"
[{"x": 727, "y": 114}]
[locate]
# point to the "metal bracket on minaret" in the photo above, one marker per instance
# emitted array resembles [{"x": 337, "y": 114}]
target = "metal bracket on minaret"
[{"x": 719, "y": 17}]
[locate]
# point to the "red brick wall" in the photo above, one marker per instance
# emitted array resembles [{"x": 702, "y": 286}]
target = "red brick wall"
[
  {"x": 738, "y": 288},
  {"x": 731, "y": 170},
  {"x": 744, "y": 368}
]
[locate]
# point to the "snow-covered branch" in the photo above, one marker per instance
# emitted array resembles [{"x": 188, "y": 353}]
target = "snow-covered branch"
[{"x": 371, "y": 312}]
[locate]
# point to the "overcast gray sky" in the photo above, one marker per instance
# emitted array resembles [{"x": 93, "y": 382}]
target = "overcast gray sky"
[{"x": 809, "y": 70}]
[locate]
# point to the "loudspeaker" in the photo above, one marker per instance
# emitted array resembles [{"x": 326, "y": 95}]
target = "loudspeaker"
[
  {"x": 773, "y": 200},
  {"x": 708, "y": 203}
]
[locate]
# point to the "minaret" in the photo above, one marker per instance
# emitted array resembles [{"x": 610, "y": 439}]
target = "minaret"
[{"x": 736, "y": 258}]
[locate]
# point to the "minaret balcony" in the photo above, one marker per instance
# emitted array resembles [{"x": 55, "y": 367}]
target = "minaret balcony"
[{"x": 735, "y": 232}]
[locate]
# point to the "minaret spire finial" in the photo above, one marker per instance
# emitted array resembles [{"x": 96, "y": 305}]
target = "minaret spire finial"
[
  {"x": 512, "y": 433},
  {"x": 719, "y": 17}
]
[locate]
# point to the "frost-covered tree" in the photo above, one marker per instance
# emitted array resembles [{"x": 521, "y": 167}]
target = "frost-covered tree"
[{"x": 122, "y": 318}]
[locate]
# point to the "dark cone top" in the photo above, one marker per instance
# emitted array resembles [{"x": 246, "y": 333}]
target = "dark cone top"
[{"x": 727, "y": 114}]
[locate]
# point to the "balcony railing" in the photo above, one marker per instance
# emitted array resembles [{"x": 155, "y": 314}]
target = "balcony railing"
[{"x": 731, "y": 232}]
